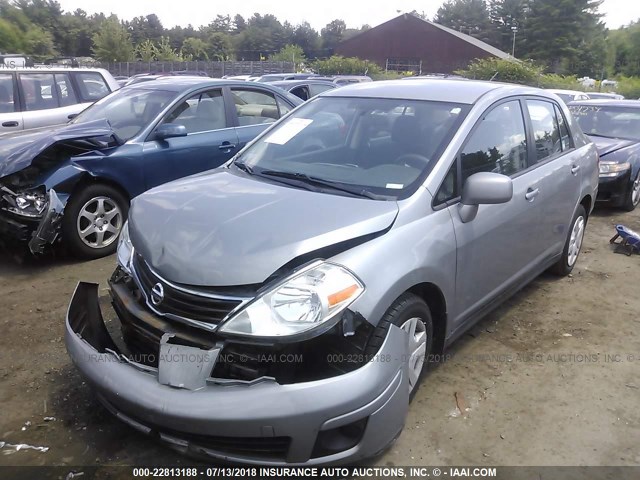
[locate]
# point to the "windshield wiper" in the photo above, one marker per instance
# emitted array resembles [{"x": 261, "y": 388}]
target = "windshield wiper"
[
  {"x": 320, "y": 182},
  {"x": 244, "y": 167}
]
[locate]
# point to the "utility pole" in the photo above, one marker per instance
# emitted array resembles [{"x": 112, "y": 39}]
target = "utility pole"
[{"x": 514, "y": 29}]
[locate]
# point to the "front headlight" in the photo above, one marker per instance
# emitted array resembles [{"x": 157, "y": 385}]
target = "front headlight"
[
  {"x": 29, "y": 204},
  {"x": 125, "y": 249},
  {"x": 611, "y": 169},
  {"x": 302, "y": 302}
]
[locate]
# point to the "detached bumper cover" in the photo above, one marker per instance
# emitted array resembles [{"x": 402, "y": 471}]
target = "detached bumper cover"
[{"x": 253, "y": 412}]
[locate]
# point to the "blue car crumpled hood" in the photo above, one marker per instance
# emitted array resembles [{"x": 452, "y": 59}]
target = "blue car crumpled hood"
[
  {"x": 225, "y": 229},
  {"x": 19, "y": 149},
  {"x": 606, "y": 145}
]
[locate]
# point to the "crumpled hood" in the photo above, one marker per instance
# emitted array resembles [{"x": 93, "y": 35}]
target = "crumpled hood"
[
  {"x": 18, "y": 149},
  {"x": 610, "y": 145},
  {"x": 226, "y": 229}
]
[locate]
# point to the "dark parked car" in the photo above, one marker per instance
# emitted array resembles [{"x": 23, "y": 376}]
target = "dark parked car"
[
  {"x": 75, "y": 181},
  {"x": 282, "y": 309},
  {"x": 614, "y": 126},
  {"x": 305, "y": 89}
]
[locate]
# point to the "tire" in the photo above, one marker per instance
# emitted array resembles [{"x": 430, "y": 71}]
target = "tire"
[
  {"x": 92, "y": 208},
  {"x": 573, "y": 244},
  {"x": 406, "y": 308},
  {"x": 632, "y": 199}
]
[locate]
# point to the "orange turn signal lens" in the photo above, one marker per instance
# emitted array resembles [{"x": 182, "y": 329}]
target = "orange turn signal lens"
[{"x": 342, "y": 295}]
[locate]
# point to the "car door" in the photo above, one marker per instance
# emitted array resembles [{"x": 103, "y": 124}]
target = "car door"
[
  {"x": 500, "y": 246},
  {"x": 558, "y": 169},
  {"x": 10, "y": 114},
  {"x": 209, "y": 141},
  {"x": 255, "y": 110}
]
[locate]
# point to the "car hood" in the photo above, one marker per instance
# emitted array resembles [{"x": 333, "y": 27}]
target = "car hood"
[
  {"x": 607, "y": 145},
  {"x": 19, "y": 149},
  {"x": 228, "y": 229}
]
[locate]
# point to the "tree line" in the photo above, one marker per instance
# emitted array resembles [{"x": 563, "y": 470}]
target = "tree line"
[
  {"x": 563, "y": 36},
  {"x": 42, "y": 29}
]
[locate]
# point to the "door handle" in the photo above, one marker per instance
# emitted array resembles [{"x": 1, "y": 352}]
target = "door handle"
[
  {"x": 531, "y": 194},
  {"x": 10, "y": 124},
  {"x": 227, "y": 146},
  {"x": 575, "y": 169}
]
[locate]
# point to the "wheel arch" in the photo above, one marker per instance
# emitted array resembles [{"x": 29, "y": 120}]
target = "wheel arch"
[{"x": 435, "y": 300}]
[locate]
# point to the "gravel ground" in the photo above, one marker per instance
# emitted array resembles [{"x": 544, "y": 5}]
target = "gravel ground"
[{"x": 551, "y": 378}]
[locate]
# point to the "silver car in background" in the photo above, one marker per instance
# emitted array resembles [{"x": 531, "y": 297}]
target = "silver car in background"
[
  {"x": 283, "y": 308},
  {"x": 44, "y": 96}
]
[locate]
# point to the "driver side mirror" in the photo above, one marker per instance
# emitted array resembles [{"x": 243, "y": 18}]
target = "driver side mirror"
[
  {"x": 170, "y": 130},
  {"x": 484, "y": 188}
]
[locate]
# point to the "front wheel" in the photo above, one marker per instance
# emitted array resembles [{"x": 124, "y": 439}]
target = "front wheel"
[
  {"x": 410, "y": 313},
  {"x": 633, "y": 197},
  {"x": 573, "y": 244},
  {"x": 93, "y": 220}
]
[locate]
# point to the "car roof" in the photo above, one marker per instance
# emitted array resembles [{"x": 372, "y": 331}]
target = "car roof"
[
  {"x": 443, "y": 90},
  {"x": 49, "y": 69},
  {"x": 178, "y": 83},
  {"x": 608, "y": 103},
  {"x": 306, "y": 81}
]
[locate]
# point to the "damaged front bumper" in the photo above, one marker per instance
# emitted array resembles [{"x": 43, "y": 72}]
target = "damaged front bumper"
[
  {"x": 35, "y": 230},
  {"x": 341, "y": 419}
]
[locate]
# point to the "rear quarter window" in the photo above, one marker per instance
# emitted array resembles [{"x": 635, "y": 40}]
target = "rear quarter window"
[{"x": 92, "y": 86}]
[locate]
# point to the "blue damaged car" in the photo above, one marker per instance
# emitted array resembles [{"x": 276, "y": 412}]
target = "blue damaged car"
[{"x": 74, "y": 182}]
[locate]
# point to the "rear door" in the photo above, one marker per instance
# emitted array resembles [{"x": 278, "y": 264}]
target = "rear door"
[
  {"x": 501, "y": 245},
  {"x": 557, "y": 165},
  {"x": 210, "y": 140},
  {"x": 10, "y": 114},
  {"x": 255, "y": 109}
]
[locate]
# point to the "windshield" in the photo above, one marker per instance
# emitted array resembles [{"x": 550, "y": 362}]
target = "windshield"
[
  {"x": 375, "y": 146},
  {"x": 128, "y": 110},
  {"x": 607, "y": 121}
]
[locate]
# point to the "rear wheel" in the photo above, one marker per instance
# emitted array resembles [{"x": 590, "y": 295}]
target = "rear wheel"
[
  {"x": 573, "y": 244},
  {"x": 410, "y": 313},
  {"x": 93, "y": 220},
  {"x": 633, "y": 197}
]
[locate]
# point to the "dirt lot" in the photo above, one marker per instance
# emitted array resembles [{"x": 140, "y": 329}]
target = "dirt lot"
[{"x": 551, "y": 378}]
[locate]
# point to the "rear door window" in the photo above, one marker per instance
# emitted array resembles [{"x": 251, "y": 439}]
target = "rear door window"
[
  {"x": 7, "y": 97},
  {"x": 565, "y": 136},
  {"x": 254, "y": 107},
  {"x": 92, "y": 86},
  {"x": 546, "y": 130},
  {"x": 39, "y": 91},
  {"x": 498, "y": 144}
]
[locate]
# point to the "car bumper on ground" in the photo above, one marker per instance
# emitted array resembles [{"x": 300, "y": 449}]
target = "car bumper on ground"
[
  {"x": 260, "y": 422},
  {"x": 614, "y": 189}
]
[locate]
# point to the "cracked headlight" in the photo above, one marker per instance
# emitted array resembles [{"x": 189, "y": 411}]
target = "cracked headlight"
[
  {"x": 125, "y": 249},
  {"x": 29, "y": 204},
  {"x": 300, "y": 303}
]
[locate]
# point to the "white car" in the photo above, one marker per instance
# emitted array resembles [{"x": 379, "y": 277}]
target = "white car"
[
  {"x": 39, "y": 97},
  {"x": 569, "y": 95}
]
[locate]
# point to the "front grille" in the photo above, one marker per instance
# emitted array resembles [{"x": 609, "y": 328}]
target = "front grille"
[{"x": 186, "y": 303}]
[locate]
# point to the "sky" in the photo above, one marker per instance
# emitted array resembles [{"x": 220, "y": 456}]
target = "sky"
[{"x": 354, "y": 12}]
